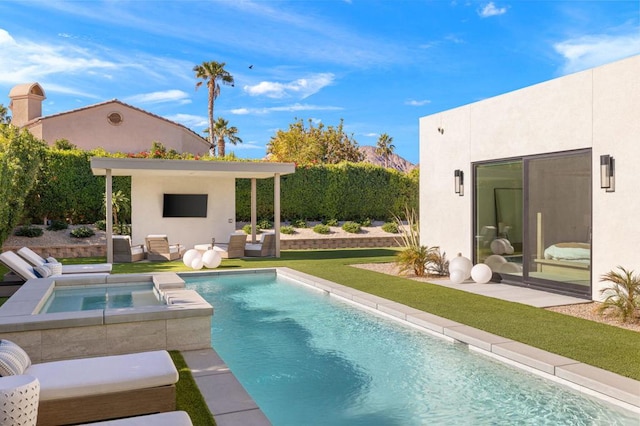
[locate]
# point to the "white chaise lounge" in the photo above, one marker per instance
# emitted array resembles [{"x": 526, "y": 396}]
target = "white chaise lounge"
[
  {"x": 173, "y": 418},
  {"x": 26, "y": 271},
  {"x": 36, "y": 260},
  {"x": 93, "y": 389}
]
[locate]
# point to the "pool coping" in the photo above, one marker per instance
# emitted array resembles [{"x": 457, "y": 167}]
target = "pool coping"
[{"x": 587, "y": 379}]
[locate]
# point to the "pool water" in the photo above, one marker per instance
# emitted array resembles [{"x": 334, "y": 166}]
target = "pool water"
[
  {"x": 85, "y": 298},
  {"x": 307, "y": 358}
]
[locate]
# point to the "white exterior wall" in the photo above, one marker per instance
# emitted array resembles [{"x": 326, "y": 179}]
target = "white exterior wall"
[
  {"x": 146, "y": 209},
  {"x": 597, "y": 109}
]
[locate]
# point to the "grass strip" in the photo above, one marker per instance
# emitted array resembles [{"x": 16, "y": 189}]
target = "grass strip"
[{"x": 188, "y": 396}]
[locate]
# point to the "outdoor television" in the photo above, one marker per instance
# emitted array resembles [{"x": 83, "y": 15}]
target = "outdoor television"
[{"x": 184, "y": 205}]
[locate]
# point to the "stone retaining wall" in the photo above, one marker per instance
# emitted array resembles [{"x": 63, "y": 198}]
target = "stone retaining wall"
[{"x": 67, "y": 251}]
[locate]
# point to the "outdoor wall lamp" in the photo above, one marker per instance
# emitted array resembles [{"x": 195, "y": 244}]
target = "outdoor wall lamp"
[
  {"x": 607, "y": 173},
  {"x": 458, "y": 182}
]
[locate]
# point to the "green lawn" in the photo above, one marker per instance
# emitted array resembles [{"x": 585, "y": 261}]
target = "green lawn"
[{"x": 600, "y": 345}]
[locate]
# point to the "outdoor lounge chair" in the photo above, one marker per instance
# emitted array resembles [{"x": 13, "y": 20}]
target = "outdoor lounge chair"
[
  {"x": 233, "y": 249},
  {"x": 101, "y": 388},
  {"x": 125, "y": 252},
  {"x": 158, "y": 248},
  {"x": 36, "y": 260},
  {"x": 172, "y": 418},
  {"x": 26, "y": 271},
  {"x": 266, "y": 246}
]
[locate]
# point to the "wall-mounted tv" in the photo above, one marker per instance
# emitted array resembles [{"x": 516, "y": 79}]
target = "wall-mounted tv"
[{"x": 184, "y": 205}]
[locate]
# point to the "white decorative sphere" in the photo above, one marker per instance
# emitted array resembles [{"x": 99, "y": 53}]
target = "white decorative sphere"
[
  {"x": 456, "y": 276},
  {"x": 197, "y": 263},
  {"x": 211, "y": 259},
  {"x": 461, "y": 263},
  {"x": 481, "y": 273},
  {"x": 494, "y": 262},
  {"x": 189, "y": 256}
]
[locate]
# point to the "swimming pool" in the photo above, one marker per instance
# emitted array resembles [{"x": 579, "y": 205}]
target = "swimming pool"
[
  {"x": 307, "y": 358},
  {"x": 85, "y": 298}
]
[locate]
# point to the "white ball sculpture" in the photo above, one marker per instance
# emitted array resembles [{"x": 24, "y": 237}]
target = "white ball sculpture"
[
  {"x": 189, "y": 256},
  {"x": 481, "y": 273},
  {"x": 211, "y": 259},
  {"x": 197, "y": 263},
  {"x": 456, "y": 276},
  {"x": 461, "y": 263}
]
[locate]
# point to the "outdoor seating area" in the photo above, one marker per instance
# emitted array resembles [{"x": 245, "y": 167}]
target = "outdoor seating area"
[
  {"x": 110, "y": 387},
  {"x": 159, "y": 248}
]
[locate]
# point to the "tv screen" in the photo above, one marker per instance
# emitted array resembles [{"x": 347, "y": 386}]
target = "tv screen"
[{"x": 184, "y": 205}]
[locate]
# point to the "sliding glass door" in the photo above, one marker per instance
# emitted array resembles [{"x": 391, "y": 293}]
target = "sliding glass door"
[{"x": 532, "y": 220}]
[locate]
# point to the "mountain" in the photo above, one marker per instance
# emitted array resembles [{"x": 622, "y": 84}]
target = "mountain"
[{"x": 395, "y": 161}]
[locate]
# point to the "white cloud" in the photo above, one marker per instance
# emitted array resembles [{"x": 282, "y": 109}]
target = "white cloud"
[
  {"x": 160, "y": 97},
  {"x": 590, "y": 51},
  {"x": 286, "y": 108},
  {"x": 413, "y": 102},
  {"x": 189, "y": 120},
  {"x": 371, "y": 135},
  {"x": 300, "y": 88},
  {"x": 490, "y": 9}
]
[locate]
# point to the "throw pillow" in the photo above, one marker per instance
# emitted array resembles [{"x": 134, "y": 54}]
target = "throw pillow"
[
  {"x": 13, "y": 359},
  {"x": 42, "y": 271},
  {"x": 51, "y": 260}
]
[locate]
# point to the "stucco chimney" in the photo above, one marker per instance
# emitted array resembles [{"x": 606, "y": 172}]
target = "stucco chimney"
[{"x": 26, "y": 103}]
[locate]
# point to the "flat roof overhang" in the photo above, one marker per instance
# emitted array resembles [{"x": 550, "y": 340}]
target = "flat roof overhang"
[{"x": 161, "y": 167}]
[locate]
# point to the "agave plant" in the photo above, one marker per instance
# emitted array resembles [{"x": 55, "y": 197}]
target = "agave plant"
[
  {"x": 623, "y": 297},
  {"x": 415, "y": 257}
]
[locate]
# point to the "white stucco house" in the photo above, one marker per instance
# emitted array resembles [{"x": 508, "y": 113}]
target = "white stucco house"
[
  {"x": 112, "y": 125},
  {"x": 541, "y": 183}
]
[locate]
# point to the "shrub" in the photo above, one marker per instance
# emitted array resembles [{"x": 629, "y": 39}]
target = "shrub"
[
  {"x": 390, "y": 227},
  {"x": 122, "y": 229},
  {"x": 287, "y": 229},
  {"x": 437, "y": 263},
  {"x": 101, "y": 225},
  {"x": 365, "y": 222},
  {"x": 330, "y": 222},
  {"x": 416, "y": 257},
  {"x": 57, "y": 225},
  {"x": 623, "y": 297},
  {"x": 299, "y": 223},
  {"x": 29, "y": 231},
  {"x": 321, "y": 229},
  {"x": 82, "y": 232},
  {"x": 264, "y": 224},
  {"x": 351, "y": 227},
  {"x": 247, "y": 229}
]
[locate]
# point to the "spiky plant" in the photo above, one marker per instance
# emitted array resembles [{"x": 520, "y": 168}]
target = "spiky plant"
[
  {"x": 623, "y": 296},
  {"x": 415, "y": 257},
  {"x": 437, "y": 263}
]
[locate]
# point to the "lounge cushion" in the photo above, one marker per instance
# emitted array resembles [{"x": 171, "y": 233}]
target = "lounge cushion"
[
  {"x": 102, "y": 375},
  {"x": 42, "y": 271},
  {"x": 18, "y": 265},
  {"x": 172, "y": 418},
  {"x": 13, "y": 359},
  {"x": 87, "y": 269}
]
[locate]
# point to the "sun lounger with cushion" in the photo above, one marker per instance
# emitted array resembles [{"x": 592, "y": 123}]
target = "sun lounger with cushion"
[
  {"x": 92, "y": 389},
  {"x": 27, "y": 272},
  {"x": 173, "y": 418},
  {"x": 36, "y": 260}
]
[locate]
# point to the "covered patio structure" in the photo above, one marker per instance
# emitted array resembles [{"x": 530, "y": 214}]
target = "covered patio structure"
[{"x": 154, "y": 182}]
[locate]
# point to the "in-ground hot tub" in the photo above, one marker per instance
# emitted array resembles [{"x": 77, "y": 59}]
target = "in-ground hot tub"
[{"x": 174, "y": 318}]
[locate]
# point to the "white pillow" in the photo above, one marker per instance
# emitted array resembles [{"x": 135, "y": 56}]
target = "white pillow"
[
  {"x": 13, "y": 359},
  {"x": 51, "y": 260},
  {"x": 42, "y": 271}
]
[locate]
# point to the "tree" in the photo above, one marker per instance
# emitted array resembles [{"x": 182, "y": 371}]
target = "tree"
[
  {"x": 223, "y": 133},
  {"x": 211, "y": 73},
  {"x": 384, "y": 148},
  {"x": 312, "y": 145},
  {"x": 5, "y": 118}
]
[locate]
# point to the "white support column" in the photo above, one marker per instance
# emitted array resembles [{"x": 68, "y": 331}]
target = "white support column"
[
  {"x": 276, "y": 211},
  {"x": 109, "y": 215},
  {"x": 254, "y": 214}
]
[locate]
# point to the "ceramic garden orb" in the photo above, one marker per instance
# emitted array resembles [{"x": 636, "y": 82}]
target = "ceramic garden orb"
[
  {"x": 189, "y": 256},
  {"x": 481, "y": 273},
  {"x": 456, "y": 276},
  {"x": 211, "y": 259},
  {"x": 462, "y": 263}
]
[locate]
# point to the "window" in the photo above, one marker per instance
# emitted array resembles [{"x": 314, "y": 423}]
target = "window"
[{"x": 115, "y": 118}]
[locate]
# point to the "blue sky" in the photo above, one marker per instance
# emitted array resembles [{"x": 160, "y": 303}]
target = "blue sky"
[{"x": 379, "y": 65}]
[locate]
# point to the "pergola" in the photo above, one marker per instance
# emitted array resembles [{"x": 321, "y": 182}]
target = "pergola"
[{"x": 148, "y": 167}]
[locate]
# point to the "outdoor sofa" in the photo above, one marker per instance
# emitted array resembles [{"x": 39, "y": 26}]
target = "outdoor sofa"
[{"x": 93, "y": 389}]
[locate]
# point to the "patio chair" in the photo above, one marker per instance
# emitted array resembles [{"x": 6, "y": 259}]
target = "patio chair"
[
  {"x": 26, "y": 271},
  {"x": 266, "y": 247},
  {"x": 158, "y": 248},
  {"x": 234, "y": 248},
  {"x": 125, "y": 252},
  {"x": 101, "y": 388},
  {"x": 36, "y": 260}
]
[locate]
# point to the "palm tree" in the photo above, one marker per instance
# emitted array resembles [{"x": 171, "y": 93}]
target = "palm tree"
[
  {"x": 211, "y": 73},
  {"x": 5, "y": 118},
  {"x": 385, "y": 148},
  {"x": 224, "y": 133}
]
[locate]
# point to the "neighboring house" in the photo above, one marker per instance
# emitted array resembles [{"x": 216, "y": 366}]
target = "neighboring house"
[
  {"x": 540, "y": 183},
  {"x": 112, "y": 125}
]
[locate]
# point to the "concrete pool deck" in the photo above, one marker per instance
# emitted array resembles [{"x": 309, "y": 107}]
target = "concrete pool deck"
[{"x": 231, "y": 405}]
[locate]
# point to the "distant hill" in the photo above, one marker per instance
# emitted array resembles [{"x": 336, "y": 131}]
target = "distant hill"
[{"x": 395, "y": 161}]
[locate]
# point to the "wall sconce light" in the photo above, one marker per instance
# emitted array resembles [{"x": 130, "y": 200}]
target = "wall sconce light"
[
  {"x": 441, "y": 130},
  {"x": 458, "y": 182},
  {"x": 607, "y": 173}
]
